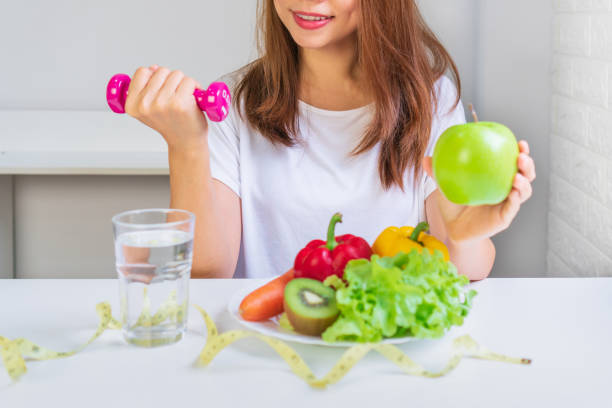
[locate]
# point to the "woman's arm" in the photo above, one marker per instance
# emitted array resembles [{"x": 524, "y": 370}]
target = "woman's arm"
[
  {"x": 473, "y": 259},
  {"x": 163, "y": 100},
  {"x": 216, "y": 207}
]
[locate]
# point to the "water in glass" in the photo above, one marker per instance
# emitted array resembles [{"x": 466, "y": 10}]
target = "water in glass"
[{"x": 154, "y": 268}]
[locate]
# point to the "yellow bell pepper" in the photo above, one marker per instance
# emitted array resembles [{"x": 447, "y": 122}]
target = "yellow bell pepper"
[{"x": 394, "y": 240}]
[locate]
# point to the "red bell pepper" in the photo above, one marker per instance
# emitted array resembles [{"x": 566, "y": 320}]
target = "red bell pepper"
[{"x": 320, "y": 259}]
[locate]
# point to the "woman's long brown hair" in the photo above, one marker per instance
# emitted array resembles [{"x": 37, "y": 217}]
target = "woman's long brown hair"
[{"x": 399, "y": 56}]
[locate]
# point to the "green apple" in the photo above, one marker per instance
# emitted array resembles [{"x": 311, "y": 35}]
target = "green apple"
[{"x": 475, "y": 163}]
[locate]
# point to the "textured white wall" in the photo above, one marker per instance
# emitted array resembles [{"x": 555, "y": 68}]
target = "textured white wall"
[{"x": 580, "y": 218}]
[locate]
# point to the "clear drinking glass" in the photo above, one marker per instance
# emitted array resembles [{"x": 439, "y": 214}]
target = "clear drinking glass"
[{"x": 153, "y": 253}]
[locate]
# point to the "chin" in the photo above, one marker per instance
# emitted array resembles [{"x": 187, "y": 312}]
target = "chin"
[
  {"x": 317, "y": 41},
  {"x": 311, "y": 44}
]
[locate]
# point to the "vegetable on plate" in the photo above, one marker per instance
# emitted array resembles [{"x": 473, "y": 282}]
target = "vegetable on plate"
[
  {"x": 267, "y": 301},
  {"x": 320, "y": 259},
  {"x": 412, "y": 294},
  {"x": 394, "y": 240}
]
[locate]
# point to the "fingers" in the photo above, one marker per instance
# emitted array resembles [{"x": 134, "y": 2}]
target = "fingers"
[
  {"x": 428, "y": 166},
  {"x": 170, "y": 86},
  {"x": 522, "y": 185},
  {"x": 510, "y": 208},
  {"x": 156, "y": 86},
  {"x": 143, "y": 89},
  {"x": 184, "y": 92},
  {"x": 149, "y": 93},
  {"x": 526, "y": 166},
  {"x": 137, "y": 84}
]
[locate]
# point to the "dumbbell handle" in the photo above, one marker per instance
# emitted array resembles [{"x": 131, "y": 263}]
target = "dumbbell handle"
[{"x": 215, "y": 100}]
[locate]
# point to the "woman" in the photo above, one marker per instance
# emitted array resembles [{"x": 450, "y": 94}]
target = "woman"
[{"x": 340, "y": 113}]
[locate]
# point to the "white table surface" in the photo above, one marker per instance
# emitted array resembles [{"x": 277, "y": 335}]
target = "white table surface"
[
  {"x": 565, "y": 325},
  {"x": 78, "y": 142}
]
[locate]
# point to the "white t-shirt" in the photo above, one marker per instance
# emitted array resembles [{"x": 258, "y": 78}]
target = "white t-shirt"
[{"x": 290, "y": 193}]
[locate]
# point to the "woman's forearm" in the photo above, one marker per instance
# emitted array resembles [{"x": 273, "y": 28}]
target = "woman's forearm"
[
  {"x": 191, "y": 188},
  {"x": 473, "y": 259}
]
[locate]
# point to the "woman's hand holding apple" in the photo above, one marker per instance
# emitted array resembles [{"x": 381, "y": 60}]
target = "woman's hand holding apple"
[{"x": 470, "y": 223}]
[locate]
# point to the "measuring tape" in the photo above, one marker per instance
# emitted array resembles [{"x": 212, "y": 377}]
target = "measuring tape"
[{"x": 15, "y": 352}]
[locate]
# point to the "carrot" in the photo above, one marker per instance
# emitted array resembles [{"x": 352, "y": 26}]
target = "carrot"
[{"x": 266, "y": 301}]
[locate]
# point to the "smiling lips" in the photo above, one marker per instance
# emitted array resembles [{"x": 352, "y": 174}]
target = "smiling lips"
[{"x": 311, "y": 21}]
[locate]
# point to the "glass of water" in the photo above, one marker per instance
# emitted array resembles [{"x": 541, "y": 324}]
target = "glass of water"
[{"x": 153, "y": 253}]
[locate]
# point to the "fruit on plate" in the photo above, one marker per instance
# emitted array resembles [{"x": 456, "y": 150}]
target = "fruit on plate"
[
  {"x": 267, "y": 301},
  {"x": 394, "y": 240},
  {"x": 320, "y": 259},
  {"x": 475, "y": 163},
  {"x": 310, "y": 306}
]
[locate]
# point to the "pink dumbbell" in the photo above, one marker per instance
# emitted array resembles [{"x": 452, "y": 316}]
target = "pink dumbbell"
[{"x": 215, "y": 100}]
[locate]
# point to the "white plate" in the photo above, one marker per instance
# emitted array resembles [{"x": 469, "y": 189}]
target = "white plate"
[{"x": 271, "y": 327}]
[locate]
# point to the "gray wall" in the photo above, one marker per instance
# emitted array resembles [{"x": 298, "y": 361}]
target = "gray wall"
[
  {"x": 513, "y": 70},
  {"x": 456, "y": 25},
  {"x": 60, "y": 54},
  {"x": 501, "y": 47},
  {"x": 503, "y": 50}
]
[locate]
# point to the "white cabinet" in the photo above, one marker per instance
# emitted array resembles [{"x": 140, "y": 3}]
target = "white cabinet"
[{"x": 63, "y": 174}]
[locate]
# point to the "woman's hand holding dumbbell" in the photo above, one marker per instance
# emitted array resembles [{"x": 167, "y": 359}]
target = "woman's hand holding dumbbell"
[{"x": 164, "y": 101}]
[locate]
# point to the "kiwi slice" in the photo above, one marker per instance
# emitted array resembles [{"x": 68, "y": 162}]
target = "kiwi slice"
[{"x": 310, "y": 306}]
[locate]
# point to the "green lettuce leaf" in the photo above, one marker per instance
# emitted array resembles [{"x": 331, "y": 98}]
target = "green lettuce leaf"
[{"x": 415, "y": 294}]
